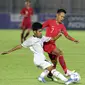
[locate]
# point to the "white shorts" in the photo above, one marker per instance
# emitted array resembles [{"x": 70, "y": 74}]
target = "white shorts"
[{"x": 41, "y": 62}]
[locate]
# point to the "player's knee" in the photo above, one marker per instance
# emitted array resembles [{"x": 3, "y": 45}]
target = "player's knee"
[
  {"x": 23, "y": 32},
  {"x": 50, "y": 68},
  {"x": 60, "y": 53}
]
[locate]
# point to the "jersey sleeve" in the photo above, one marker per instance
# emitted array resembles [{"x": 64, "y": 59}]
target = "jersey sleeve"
[
  {"x": 46, "y": 39},
  {"x": 45, "y": 24},
  {"x": 27, "y": 43},
  {"x": 64, "y": 31},
  {"x": 22, "y": 11}
]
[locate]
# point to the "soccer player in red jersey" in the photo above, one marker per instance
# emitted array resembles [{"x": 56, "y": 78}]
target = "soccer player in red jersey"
[
  {"x": 26, "y": 12},
  {"x": 53, "y": 28}
]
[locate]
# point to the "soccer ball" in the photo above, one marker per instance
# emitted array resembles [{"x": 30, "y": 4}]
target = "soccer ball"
[{"x": 75, "y": 77}]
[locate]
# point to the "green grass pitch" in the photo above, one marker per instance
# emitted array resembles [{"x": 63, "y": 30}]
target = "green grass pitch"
[{"x": 17, "y": 68}]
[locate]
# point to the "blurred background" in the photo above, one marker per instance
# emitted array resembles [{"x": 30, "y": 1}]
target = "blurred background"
[{"x": 43, "y": 10}]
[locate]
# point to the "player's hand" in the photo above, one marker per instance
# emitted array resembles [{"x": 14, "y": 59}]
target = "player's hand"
[
  {"x": 3, "y": 53},
  {"x": 76, "y": 41}
]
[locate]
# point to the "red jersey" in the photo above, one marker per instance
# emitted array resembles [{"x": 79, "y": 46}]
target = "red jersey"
[
  {"x": 53, "y": 29},
  {"x": 27, "y": 12}
]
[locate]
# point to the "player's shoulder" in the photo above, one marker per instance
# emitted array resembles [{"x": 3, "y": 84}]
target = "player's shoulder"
[
  {"x": 34, "y": 39},
  {"x": 31, "y": 38}
]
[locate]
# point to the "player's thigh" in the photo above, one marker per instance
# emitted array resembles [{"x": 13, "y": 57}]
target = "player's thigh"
[
  {"x": 56, "y": 52},
  {"x": 51, "y": 56},
  {"x": 60, "y": 52}
]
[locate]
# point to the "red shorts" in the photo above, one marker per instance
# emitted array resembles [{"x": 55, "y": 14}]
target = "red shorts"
[
  {"x": 49, "y": 46},
  {"x": 26, "y": 25}
]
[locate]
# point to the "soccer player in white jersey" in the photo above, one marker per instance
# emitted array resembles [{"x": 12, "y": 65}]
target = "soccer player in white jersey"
[{"x": 35, "y": 43}]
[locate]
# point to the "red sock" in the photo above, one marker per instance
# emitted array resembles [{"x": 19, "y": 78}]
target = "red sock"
[{"x": 62, "y": 63}]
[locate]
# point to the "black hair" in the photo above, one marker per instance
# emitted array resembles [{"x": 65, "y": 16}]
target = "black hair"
[
  {"x": 36, "y": 26},
  {"x": 61, "y": 10}
]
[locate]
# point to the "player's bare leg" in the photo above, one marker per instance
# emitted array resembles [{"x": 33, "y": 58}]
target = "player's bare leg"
[
  {"x": 27, "y": 34},
  {"x": 53, "y": 59},
  {"x": 22, "y": 35},
  {"x": 62, "y": 62}
]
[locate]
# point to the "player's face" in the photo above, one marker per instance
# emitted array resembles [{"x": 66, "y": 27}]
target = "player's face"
[
  {"x": 39, "y": 33},
  {"x": 27, "y": 4},
  {"x": 60, "y": 17}
]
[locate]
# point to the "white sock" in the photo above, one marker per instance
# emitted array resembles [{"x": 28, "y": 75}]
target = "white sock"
[
  {"x": 44, "y": 73},
  {"x": 58, "y": 75}
]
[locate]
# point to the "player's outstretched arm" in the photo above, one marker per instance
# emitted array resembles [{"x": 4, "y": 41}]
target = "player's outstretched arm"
[
  {"x": 11, "y": 50},
  {"x": 57, "y": 37},
  {"x": 64, "y": 31},
  {"x": 72, "y": 39}
]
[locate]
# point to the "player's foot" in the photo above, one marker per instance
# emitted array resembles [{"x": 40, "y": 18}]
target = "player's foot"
[
  {"x": 41, "y": 79},
  {"x": 69, "y": 72},
  {"x": 69, "y": 81},
  {"x": 52, "y": 78}
]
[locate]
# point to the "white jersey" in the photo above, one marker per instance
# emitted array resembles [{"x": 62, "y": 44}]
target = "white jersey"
[{"x": 36, "y": 46}]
